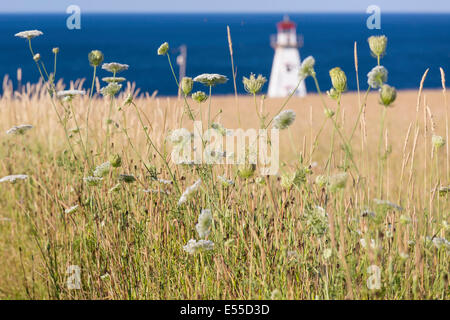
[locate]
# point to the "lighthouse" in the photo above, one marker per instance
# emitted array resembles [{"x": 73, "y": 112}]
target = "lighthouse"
[{"x": 286, "y": 62}]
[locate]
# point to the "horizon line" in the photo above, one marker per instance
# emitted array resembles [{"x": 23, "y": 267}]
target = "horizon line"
[{"x": 224, "y": 12}]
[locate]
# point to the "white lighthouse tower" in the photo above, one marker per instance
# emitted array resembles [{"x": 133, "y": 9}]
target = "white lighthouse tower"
[{"x": 286, "y": 62}]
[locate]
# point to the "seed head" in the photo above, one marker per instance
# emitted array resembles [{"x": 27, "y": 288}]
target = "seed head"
[{"x": 387, "y": 95}]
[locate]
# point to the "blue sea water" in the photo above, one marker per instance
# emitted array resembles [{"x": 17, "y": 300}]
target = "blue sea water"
[{"x": 416, "y": 42}]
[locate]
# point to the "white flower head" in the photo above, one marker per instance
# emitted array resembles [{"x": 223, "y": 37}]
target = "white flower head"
[
  {"x": 68, "y": 95},
  {"x": 20, "y": 129},
  {"x": 385, "y": 205},
  {"x": 194, "y": 246},
  {"x": 211, "y": 79},
  {"x": 13, "y": 178},
  {"x": 29, "y": 34},
  {"x": 92, "y": 181},
  {"x": 166, "y": 182},
  {"x": 226, "y": 182},
  {"x": 115, "y": 67},
  {"x": 307, "y": 67},
  {"x": 71, "y": 209},
  {"x": 113, "y": 79},
  {"x": 102, "y": 170},
  {"x": 377, "y": 77},
  {"x": 111, "y": 89},
  {"x": 189, "y": 191},
  {"x": 284, "y": 119},
  {"x": 439, "y": 242},
  {"x": 203, "y": 226}
]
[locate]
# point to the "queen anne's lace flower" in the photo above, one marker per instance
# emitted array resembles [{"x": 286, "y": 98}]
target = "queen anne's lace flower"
[
  {"x": 203, "y": 226},
  {"x": 284, "y": 119},
  {"x": 115, "y": 67},
  {"x": 13, "y": 178},
  {"x": 385, "y": 204},
  {"x": 211, "y": 79},
  {"x": 307, "y": 67},
  {"x": 71, "y": 209},
  {"x": 29, "y": 34},
  {"x": 92, "y": 181},
  {"x": 377, "y": 77},
  {"x": 113, "y": 79},
  {"x": 69, "y": 94},
  {"x": 102, "y": 170},
  {"x": 226, "y": 182},
  {"x": 20, "y": 129},
  {"x": 189, "y": 191},
  {"x": 194, "y": 246}
]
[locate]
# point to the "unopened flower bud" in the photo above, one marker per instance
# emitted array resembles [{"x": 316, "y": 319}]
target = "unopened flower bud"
[
  {"x": 55, "y": 50},
  {"x": 252, "y": 84},
  {"x": 246, "y": 171},
  {"x": 95, "y": 58},
  {"x": 338, "y": 79},
  {"x": 186, "y": 85},
  {"x": 37, "y": 57},
  {"x": 387, "y": 95},
  {"x": 162, "y": 50},
  {"x": 115, "y": 160},
  {"x": 377, "y": 45},
  {"x": 199, "y": 96},
  {"x": 328, "y": 113}
]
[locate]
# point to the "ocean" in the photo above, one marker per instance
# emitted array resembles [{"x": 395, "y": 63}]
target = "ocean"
[{"x": 416, "y": 42}]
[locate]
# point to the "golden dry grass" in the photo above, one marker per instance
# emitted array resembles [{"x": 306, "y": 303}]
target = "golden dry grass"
[{"x": 37, "y": 243}]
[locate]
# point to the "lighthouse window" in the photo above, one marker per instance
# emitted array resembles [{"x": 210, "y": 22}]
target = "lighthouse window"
[{"x": 288, "y": 68}]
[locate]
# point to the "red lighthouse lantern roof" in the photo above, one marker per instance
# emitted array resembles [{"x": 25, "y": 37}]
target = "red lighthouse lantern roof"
[{"x": 286, "y": 24}]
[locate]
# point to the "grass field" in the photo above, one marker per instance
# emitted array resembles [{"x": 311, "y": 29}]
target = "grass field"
[{"x": 359, "y": 209}]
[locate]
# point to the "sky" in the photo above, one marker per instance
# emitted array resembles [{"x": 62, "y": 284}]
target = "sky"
[{"x": 192, "y": 6}]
